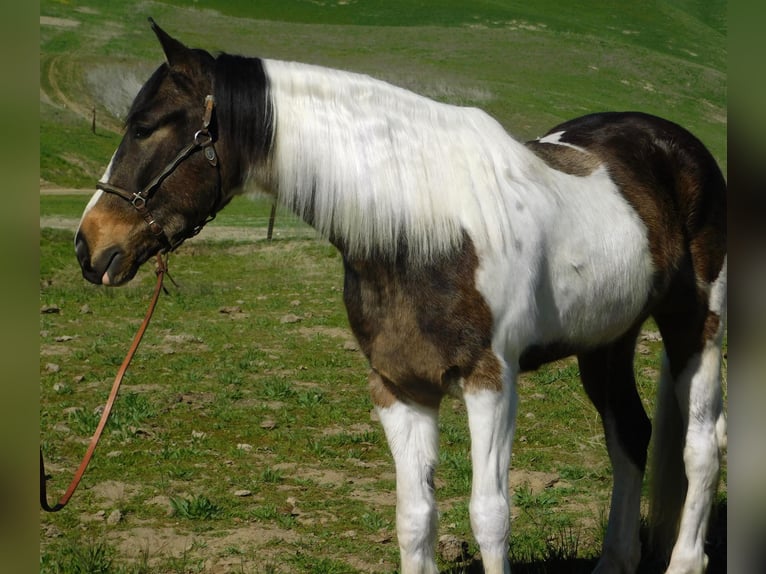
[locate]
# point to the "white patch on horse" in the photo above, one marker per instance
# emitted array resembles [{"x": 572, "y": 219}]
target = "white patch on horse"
[
  {"x": 96, "y": 196},
  {"x": 717, "y": 301},
  {"x": 555, "y": 138},
  {"x": 577, "y": 269},
  {"x": 717, "y": 305}
]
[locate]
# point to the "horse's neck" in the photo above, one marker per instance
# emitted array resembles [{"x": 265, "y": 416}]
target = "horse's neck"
[{"x": 372, "y": 165}]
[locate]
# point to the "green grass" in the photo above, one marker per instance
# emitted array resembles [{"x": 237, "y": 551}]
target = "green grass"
[{"x": 221, "y": 402}]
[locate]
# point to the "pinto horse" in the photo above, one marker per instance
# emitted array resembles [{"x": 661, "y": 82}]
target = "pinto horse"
[{"x": 469, "y": 257}]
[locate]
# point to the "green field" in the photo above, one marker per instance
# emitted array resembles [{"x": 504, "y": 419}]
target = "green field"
[
  {"x": 531, "y": 68},
  {"x": 243, "y": 441}
]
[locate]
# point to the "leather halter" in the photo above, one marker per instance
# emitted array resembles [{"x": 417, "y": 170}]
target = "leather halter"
[{"x": 202, "y": 140}]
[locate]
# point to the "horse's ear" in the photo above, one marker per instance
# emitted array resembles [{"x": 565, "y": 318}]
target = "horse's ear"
[{"x": 175, "y": 51}]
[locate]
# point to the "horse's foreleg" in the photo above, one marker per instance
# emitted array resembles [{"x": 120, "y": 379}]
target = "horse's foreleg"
[
  {"x": 491, "y": 405},
  {"x": 413, "y": 436}
]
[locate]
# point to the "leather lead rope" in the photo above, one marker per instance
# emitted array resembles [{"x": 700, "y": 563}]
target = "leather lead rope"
[{"x": 162, "y": 270}]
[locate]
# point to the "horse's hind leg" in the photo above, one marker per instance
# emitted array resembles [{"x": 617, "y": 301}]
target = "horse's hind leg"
[
  {"x": 413, "y": 437},
  {"x": 607, "y": 374},
  {"x": 690, "y": 392}
]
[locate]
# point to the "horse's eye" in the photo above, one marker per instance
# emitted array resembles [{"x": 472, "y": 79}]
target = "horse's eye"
[{"x": 141, "y": 132}]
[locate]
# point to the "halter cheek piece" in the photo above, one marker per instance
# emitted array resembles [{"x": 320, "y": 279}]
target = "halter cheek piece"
[{"x": 202, "y": 140}]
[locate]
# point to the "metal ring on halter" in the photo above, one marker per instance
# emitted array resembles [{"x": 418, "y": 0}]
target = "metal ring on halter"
[
  {"x": 202, "y": 143},
  {"x": 138, "y": 201}
]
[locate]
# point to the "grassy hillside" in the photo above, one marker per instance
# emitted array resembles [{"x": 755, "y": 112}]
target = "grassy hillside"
[{"x": 530, "y": 66}]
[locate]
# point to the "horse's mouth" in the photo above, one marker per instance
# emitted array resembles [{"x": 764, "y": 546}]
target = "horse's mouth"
[
  {"x": 112, "y": 274},
  {"x": 112, "y": 267}
]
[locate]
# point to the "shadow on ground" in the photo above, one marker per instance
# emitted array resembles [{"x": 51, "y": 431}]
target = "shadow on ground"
[{"x": 715, "y": 549}]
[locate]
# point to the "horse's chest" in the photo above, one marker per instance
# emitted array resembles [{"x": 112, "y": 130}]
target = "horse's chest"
[{"x": 419, "y": 324}]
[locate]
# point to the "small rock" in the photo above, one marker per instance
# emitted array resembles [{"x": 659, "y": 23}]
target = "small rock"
[
  {"x": 290, "y": 318},
  {"x": 63, "y": 338},
  {"x": 243, "y": 492},
  {"x": 50, "y": 309},
  {"x": 350, "y": 346},
  {"x": 268, "y": 424},
  {"x": 113, "y": 453},
  {"x": 85, "y": 310},
  {"x": 114, "y": 518},
  {"x": 244, "y": 446},
  {"x": 292, "y": 508},
  {"x": 78, "y": 378},
  {"x": 52, "y": 368}
]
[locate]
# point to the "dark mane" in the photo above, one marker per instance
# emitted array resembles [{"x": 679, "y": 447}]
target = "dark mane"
[{"x": 244, "y": 110}]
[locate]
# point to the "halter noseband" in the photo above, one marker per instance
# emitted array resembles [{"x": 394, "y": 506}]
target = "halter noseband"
[{"x": 202, "y": 140}]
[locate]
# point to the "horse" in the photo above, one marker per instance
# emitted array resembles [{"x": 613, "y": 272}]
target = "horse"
[{"x": 469, "y": 257}]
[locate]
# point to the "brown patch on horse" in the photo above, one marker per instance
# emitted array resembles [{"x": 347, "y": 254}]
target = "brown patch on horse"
[
  {"x": 102, "y": 227},
  {"x": 486, "y": 375},
  {"x": 564, "y": 158},
  {"x": 712, "y": 324},
  {"x": 422, "y": 326}
]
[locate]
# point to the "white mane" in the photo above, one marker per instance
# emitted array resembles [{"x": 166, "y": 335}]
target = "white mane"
[{"x": 370, "y": 163}]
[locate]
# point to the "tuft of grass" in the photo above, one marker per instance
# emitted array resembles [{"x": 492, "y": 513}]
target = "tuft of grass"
[
  {"x": 198, "y": 507},
  {"x": 79, "y": 557}
]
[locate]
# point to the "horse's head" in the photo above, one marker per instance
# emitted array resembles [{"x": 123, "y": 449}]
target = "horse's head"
[{"x": 164, "y": 181}]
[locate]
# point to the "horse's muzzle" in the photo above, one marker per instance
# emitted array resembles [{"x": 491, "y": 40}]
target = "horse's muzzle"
[{"x": 100, "y": 270}]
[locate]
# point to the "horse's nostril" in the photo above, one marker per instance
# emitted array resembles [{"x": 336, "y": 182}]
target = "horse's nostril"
[{"x": 82, "y": 251}]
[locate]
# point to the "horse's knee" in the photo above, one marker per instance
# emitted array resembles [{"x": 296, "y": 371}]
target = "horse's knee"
[{"x": 490, "y": 522}]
